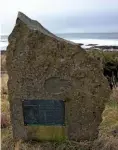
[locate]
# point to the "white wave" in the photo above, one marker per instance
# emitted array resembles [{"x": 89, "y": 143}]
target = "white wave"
[
  {"x": 113, "y": 42},
  {"x": 106, "y": 42},
  {"x": 3, "y": 45}
]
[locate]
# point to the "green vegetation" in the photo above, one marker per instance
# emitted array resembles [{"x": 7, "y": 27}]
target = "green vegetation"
[
  {"x": 109, "y": 60},
  {"x": 107, "y": 140},
  {"x": 107, "y": 56},
  {"x": 108, "y": 130}
]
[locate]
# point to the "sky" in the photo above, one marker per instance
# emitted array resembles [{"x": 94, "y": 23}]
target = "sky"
[{"x": 62, "y": 16}]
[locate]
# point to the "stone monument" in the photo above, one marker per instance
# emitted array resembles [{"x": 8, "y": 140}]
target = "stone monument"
[{"x": 56, "y": 90}]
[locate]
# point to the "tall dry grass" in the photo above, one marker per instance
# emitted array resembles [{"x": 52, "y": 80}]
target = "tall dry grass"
[
  {"x": 108, "y": 131},
  {"x": 107, "y": 140},
  {"x": 4, "y": 79},
  {"x": 108, "y": 134}
]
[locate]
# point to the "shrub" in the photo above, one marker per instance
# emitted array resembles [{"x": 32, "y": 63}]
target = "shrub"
[{"x": 109, "y": 60}]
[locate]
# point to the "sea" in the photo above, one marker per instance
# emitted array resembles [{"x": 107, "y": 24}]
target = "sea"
[{"x": 100, "y": 39}]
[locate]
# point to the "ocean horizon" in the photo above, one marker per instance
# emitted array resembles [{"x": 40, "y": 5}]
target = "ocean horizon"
[{"x": 100, "y": 39}]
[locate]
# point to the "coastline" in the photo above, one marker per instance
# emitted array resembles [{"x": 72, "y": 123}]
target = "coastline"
[{"x": 98, "y": 44}]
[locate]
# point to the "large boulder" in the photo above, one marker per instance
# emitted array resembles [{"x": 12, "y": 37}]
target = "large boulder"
[{"x": 42, "y": 66}]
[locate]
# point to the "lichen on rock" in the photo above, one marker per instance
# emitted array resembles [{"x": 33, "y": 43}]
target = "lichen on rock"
[{"x": 35, "y": 56}]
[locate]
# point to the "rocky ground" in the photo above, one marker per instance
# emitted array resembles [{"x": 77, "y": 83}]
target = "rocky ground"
[{"x": 102, "y": 47}]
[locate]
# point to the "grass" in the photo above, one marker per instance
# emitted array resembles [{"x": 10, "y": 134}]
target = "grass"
[
  {"x": 110, "y": 118},
  {"x": 108, "y": 134},
  {"x": 108, "y": 130},
  {"x": 107, "y": 140},
  {"x": 4, "y": 79},
  {"x": 106, "y": 56}
]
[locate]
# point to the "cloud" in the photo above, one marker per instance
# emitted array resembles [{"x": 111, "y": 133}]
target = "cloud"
[{"x": 62, "y": 15}]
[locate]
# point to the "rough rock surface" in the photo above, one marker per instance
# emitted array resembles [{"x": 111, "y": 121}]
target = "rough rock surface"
[{"x": 43, "y": 66}]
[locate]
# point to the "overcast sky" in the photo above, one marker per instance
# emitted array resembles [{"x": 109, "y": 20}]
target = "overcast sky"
[{"x": 63, "y": 16}]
